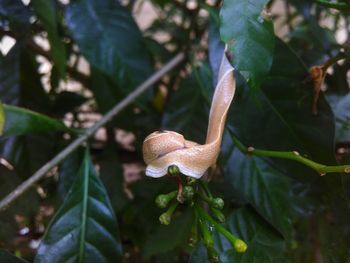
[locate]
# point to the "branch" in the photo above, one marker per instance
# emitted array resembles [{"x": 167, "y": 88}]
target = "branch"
[
  {"x": 89, "y": 132},
  {"x": 295, "y": 156}
]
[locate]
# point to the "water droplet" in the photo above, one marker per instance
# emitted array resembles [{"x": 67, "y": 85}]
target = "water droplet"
[{"x": 260, "y": 19}]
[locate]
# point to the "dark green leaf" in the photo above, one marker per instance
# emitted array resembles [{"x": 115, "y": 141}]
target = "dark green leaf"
[
  {"x": 265, "y": 188},
  {"x": 249, "y": 36},
  {"x": 68, "y": 172},
  {"x": 9, "y": 258},
  {"x": 167, "y": 238},
  {"x": 187, "y": 109},
  {"x": 47, "y": 13},
  {"x": 85, "y": 228},
  {"x": 111, "y": 172},
  {"x": 110, "y": 39},
  {"x": 216, "y": 49},
  {"x": 19, "y": 121},
  {"x": 282, "y": 112}
]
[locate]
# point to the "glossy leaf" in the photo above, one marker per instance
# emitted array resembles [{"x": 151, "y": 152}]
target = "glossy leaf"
[
  {"x": 19, "y": 121},
  {"x": 256, "y": 182},
  {"x": 282, "y": 112},
  {"x": 264, "y": 244},
  {"x": 9, "y": 258},
  {"x": 249, "y": 37},
  {"x": 68, "y": 172},
  {"x": 159, "y": 241},
  {"x": 85, "y": 228},
  {"x": 110, "y": 40},
  {"x": 47, "y": 13}
]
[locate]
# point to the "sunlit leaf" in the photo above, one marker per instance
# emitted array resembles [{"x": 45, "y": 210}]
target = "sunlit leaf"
[{"x": 19, "y": 121}]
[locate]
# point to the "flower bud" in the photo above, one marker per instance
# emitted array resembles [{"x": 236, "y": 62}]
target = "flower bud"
[
  {"x": 217, "y": 203},
  {"x": 163, "y": 200},
  {"x": 188, "y": 193},
  {"x": 165, "y": 218},
  {"x": 240, "y": 246},
  {"x": 173, "y": 170}
]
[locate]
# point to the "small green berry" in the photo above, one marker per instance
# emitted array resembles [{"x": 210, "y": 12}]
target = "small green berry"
[{"x": 188, "y": 193}]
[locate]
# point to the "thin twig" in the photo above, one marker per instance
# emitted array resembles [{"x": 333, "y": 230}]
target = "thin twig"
[
  {"x": 89, "y": 132},
  {"x": 295, "y": 156}
]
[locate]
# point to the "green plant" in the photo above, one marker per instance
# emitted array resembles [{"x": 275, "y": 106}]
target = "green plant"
[{"x": 280, "y": 192}]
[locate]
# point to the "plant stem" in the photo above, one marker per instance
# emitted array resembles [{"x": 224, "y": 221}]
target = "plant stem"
[
  {"x": 23, "y": 187},
  {"x": 220, "y": 228},
  {"x": 333, "y": 60},
  {"x": 295, "y": 156}
]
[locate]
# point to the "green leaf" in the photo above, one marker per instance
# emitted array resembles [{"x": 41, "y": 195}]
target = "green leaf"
[
  {"x": 85, "y": 228},
  {"x": 264, "y": 245},
  {"x": 249, "y": 38},
  {"x": 167, "y": 238},
  {"x": 188, "y": 108},
  {"x": 256, "y": 182},
  {"x": 282, "y": 114},
  {"x": 111, "y": 173},
  {"x": 68, "y": 172},
  {"x": 19, "y": 121},
  {"x": 341, "y": 109},
  {"x": 109, "y": 38},
  {"x": 47, "y": 13},
  {"x": 9, "y": 258}
]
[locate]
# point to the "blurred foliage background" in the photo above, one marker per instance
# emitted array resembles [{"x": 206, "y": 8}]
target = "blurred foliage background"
[{"x": 65, "y": 63}]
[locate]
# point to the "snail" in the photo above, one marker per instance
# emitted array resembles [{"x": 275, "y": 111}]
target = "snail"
[{"x": 164, "y": 149}]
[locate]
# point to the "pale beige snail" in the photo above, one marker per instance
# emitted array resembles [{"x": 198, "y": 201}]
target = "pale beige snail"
[{"x": 167, "y": 148}]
